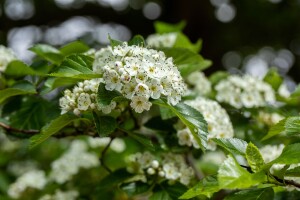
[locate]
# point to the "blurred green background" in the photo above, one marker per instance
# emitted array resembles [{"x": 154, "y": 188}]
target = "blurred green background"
[{"x": 240, "y": 36}]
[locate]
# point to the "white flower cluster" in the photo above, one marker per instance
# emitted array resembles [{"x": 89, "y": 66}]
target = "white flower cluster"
[
  {"x": 82, "y": 98},
  {"x": 139, "y": 74},
  {"x": 71, "y": 161},
  {"x": 218, "y": 121},
  {"x": 33, "y": 179},
  {"x": 61, "y": 195},
  {"x": 6, "y": 56},
  {"x": 169, "y": 166},
  {"x": 201, "y": 84},
  {"x": 161, "y": 40},
  {"x": 269, "y": 118},
  {"x": 246, "y": 91}
]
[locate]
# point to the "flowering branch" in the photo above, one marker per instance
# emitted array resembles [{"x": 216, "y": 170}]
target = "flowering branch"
[{"x": 10, "y": 129}]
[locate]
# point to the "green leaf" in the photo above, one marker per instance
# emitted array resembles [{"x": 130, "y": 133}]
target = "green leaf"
[
  {"x": 113, "y": 179},
  {"x": 114, "y": 43},
  {"x": 186, "y": 60},
  {"x": 52, "y": 128},
  {"x": 76, "y": 66},
  {"x": 232, "y": 176},
  {"x": 273, "y": 78},
  {"x": 142, "y": 139},
  {"x": 34, "y": 113},
  {"x": 18, "y": 68},
  {"x": 160, "y": 195},
  {"x": 20, "y": 88},
  {"x": 105, "y": 125},
  {"x": 162, "y": 27},
  {"x": 253, "y": 194},
  {"x": 289, "y": 126},
  {"x": 233, "y": 145},
  {"x": 290, "y": 155},
  {"x": 52, "y": 82},
  {"x": 192, "y": 118},
  {"x": 182, "y": 41},
  {"x": 206, "y": 186},
  {"x": 137, "y": 40},
  {"x": 74, "y": 47},
  {"x": 47, "y": 52},
  {"x": 254, "y": 158},
  {"x": 104, "y": 97},
  {"x": 174, "y": 190},
  {"x": 295, "y": 172},
  {"x": 166, "y": 113}
]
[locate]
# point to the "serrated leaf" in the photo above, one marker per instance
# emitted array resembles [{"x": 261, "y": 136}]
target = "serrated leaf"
[
  {"x": 52, "y": 128},
  {"x": 105, "y": 125},
  {"x": 289, "y": 126},
  {"x": 295, "y": 172},
  {"x": 253, "y": 194},
  {"x": 113, "y": 179},
  {"x": 48, "y": 52},
  {"x": 114, "y": 42},
  {"x": 137, "y": 40},
  {"x": 142, "y": 139},
  {"x": 160, "y": 195},
  {"x": 233, "y": 145},
  {"x": 186, "y": 60},
  {"x": 20, "y": 88},
  {"x": 192, "y": 118},
  {"x": 273, "y": 78},
  {"x": 162, "y": 27},
  {"x": 206, "y": 186},
  {"x": 74, "y": 47},
  {"x": 18, "y": 68},
  {"x": 76, "y": 66},
  {"x": 232, "y": 176},
  {"x": 290, "y": 155},
  {"x": 104, "y": 97},
  {"x": 254, "y": 158}
]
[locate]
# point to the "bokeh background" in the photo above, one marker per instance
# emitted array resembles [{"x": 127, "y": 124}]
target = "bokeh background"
[{"x": 239, "y": 36}]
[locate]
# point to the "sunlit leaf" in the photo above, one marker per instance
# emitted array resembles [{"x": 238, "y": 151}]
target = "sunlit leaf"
[
  {"x": 253, "y": 194},
  {"x": 254, "y": 158},
  {"x": 162, "y": 27},
  {"x": 48, "y": 52},
  {"x": 74, "y": 47},
  {"x": 18, "y": 68},
  {"x": 233, "y": 145}
]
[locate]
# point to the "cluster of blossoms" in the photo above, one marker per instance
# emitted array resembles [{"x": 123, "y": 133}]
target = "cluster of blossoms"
[
  {"x": 70, "y": 162},
  {"x": 218, "y": 121},
  {"x": 83, "y": 97},
  {"x": 169, "y": 166},
  {"x": 202, "y": 85},
  {"x": 6, "y": 56},
  {"x": 32, "y": 179},
  {"x": 61, "y": 195},
  {"x": 161, "y": 40},
  {"x": 245, "y": 91},
  {"x": 269, "y": 119},
  {"x": 139, "y": 74}
]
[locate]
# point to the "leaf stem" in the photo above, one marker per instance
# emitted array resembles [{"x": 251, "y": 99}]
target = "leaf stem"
[
  {"x": 103, "y": 154},
  {"x": 12, "y": 129}
]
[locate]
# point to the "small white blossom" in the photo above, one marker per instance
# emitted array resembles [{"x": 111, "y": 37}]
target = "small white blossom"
[
  {"x": 162, "y": 40},
  {"x": 140, "y": 103},
  {"x": 201, "y": 84}
]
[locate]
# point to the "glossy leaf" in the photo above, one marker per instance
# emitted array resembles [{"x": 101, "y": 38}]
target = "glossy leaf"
[
  {"x": 48, "y": 52},
  {"x": 192, "y": 118},
  {"x": 182, "y": 41},
  {"x": 290, "y": 155},
  {"x": 233, "y": 145},
  {"x": 254, "y": 158},
  {"x": 207, "y": 186},
  {"x": 20, "y": 88},
  {"x": 18, "y": 68},
  {"x": 137, "y": 40},
  {"x": 52, "y": 128},
  {"x": 74, "y": 47},
  {"x": 253, "y": 194},
  {"x": 114, "y": 42},
  {"x": 105, "y": 125},
  {"x": 186, "y": 60},
  {"x": 76, "y": 66}
]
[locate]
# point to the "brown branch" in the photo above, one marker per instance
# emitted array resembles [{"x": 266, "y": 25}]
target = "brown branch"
[
  {"x": 103, "y": 154},
  {"x": 12, "y": 129},
  {"x": 287, "y": 182}
]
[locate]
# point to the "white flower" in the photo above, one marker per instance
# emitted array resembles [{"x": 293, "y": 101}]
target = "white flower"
[
  {"x": 6, "y": 56},
  {"x": 218, "y": 121},
  {"x": 162, "y": 40},
  {"x": 140, "y": 103},
  {"x": 269, "y": 118},
  {"x": 33, "y": 179},
  {"x": 245, "y": 91},
  {"x": 84, "y": 101},
  {"x": 137, "y": 71},
  {"x": 201, "y": 84},
  {"x": 171, "y": 172},
  {"x": 61, "y": 195},
  {"x": 284, "y": 91}
]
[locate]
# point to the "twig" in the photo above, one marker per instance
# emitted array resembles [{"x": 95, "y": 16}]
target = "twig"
[
  {"x": 12, "y": 129},
  {"x": 287, "y": 182},
  {"x": 103, "y": 154},
  {"x": 190, "y": 159}
]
